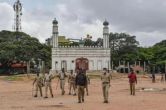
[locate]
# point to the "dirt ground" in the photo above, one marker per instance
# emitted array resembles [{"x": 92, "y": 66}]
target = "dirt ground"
[{"x": 17, "y": 95}]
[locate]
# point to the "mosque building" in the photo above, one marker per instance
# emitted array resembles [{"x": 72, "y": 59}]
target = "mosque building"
[{"x": 86, "y": 57}]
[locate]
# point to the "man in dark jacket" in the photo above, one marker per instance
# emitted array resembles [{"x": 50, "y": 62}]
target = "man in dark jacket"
[{"x": 81, "y": 82}]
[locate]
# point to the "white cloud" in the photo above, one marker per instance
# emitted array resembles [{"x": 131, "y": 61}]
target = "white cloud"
[
  {"x": 6, "y": 16},
  {"x": 80, "y": 17},
  {"x": 149, "y": 39}
]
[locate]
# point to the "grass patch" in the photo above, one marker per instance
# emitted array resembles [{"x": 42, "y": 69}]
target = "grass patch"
[
  {"x": 21, "y": 77},
  {"x": 94, "y": 76},
  {"x": 12, "y": 78}
]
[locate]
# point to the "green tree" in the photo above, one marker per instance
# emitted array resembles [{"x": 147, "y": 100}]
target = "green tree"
[
  {"x": 123, "y": 47},
  {"x": 20, "y": 47}
]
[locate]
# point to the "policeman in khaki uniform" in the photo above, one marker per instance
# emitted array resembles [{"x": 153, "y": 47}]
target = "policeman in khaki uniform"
[
  {"x": 48, "y": 78},
  {"x": 71, "y": 80},
  {"x": 38, "y": 81},
  {"x": 62, "y": 75},
  {"x": 105, "y": 78}
]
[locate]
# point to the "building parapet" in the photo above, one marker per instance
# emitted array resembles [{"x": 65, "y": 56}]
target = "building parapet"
[{"x": 80, "y": 47}]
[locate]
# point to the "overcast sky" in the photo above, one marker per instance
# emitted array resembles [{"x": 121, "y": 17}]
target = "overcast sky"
[{"x": 145, "y": 19}]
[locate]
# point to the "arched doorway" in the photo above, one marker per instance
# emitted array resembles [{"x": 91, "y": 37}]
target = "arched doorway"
[{"x": 82, "y": 63}]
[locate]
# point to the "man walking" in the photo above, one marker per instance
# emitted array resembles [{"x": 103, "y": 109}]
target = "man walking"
[
  {"x": 38, "y": 81},
  {"x": 62, "y": 76},
  {"x": 81, "y": 82},
  {"x": 48, "y": 78},
  {"x": 105, "y": 78},
  {"x": 132, "y": 80},
  {"x": 71, "y": 80}
]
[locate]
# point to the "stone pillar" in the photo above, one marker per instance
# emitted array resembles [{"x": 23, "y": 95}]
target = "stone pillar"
[
  {"x": 40, "y": 66},
  {"x": 144, "y": 66},
  {"x": 139, "y": 63},
  {"x": 165, "y": 67},
  {"x": 112, "y": 65},
  {"x": 95, "y": 64},
  {"x": 124, "y": 66},
  {"x": 108, "y": 64},
  {"x": 28, "y": 67},
  {"x": 43, "y": 67},
  {"x": 119, "y": 63},
  {"x": 128, "y": 65}
]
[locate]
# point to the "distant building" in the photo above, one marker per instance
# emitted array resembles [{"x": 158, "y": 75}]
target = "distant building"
[
  {"x": 63, "y": 41},
  {"x": 74, "y": 57}
]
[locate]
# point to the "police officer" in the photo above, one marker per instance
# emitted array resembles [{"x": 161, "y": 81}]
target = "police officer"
[
  {"x": 71, "y": 80},
  {"x": 48, "y": 78},
  {"x": 38, "y": 81},
  {"x": 62, "y": 75},
  {"x": 105, "y": 78}
]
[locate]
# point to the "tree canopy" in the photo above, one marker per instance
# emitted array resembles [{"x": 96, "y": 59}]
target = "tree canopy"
[
  {"x": 21, "y": 47},
  {"x": 124, "y": 47}
]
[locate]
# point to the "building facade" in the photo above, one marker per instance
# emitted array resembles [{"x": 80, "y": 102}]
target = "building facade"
[{"x": 85, "y": 57}]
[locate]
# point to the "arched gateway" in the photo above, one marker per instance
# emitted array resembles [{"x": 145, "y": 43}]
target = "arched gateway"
[{"x": 82, "y": 63}]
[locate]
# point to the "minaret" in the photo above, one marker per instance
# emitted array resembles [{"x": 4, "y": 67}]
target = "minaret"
[
  {"x": 55, "y": 33},
  {"x": 106, "y": 34},
  {"x": 18, "y": 13}
]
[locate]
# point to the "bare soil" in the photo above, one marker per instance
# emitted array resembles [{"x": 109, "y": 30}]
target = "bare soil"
[{"x": 17, "y": 95}]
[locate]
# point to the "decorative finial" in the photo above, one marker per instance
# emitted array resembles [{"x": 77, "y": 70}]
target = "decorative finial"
[
  {"x": 55, "y": 21},
  {"x": 105, "y": 23}
]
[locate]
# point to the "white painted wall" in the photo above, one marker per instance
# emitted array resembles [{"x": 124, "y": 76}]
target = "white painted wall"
[{"x": 98, "y": 57}]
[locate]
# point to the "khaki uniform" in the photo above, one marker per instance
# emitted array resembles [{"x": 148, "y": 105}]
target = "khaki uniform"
[
  {"x": 38, "y": 85},
  {"x": 72, "y": 85},
  {"x": 48, "y": 78},
  {"x": 88, "y": 82},
  {"x": 105, "y": 78},
  {"x": 62, "y": 82},
  {"x": 132, "y": 88},
  {"x": 81, "y": 93}
]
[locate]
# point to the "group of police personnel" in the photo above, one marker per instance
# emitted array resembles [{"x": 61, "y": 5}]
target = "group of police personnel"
[{"x": 78, "y": 82}]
